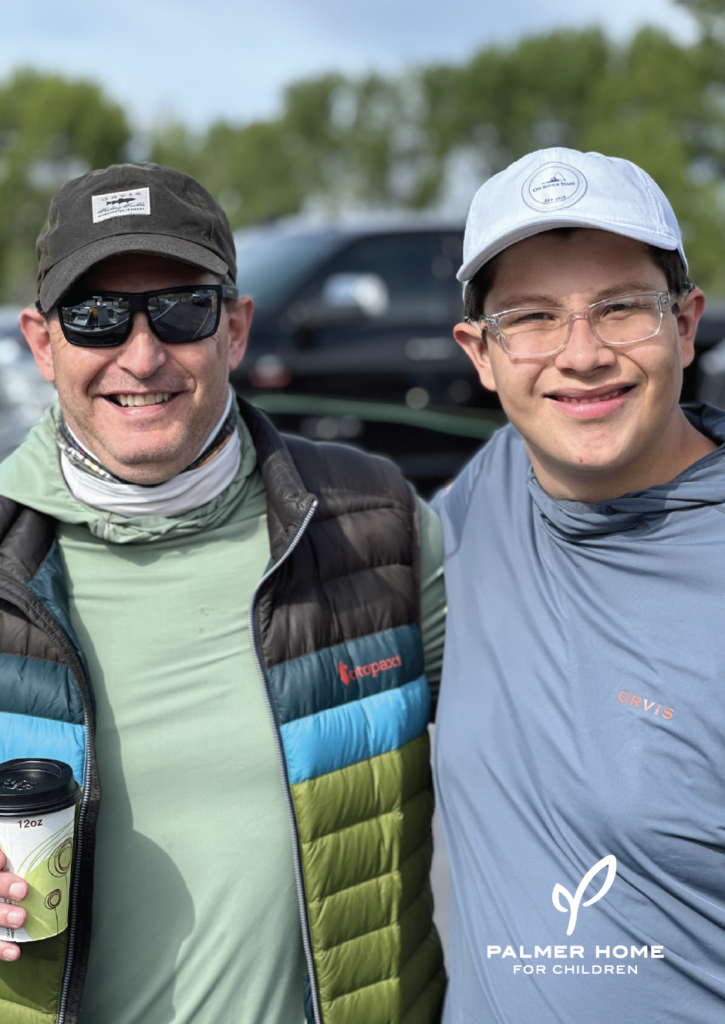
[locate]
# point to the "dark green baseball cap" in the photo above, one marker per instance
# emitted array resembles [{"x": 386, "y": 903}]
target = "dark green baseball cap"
[{"x": 144, "y": 208}]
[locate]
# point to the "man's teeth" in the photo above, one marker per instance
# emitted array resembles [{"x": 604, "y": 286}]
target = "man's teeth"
[
  {"x": 583, "y": 399},
  {"x": 164, "y": 396}
]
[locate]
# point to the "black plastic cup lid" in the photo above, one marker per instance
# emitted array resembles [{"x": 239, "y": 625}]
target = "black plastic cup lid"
[{"x": 32, "y": 786}]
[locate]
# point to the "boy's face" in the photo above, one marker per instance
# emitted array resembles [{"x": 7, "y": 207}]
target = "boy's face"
[{"x": 597, "y": 421}]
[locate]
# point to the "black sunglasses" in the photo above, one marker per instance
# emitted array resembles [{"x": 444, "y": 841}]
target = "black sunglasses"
[{"x": 175, "y": 315}]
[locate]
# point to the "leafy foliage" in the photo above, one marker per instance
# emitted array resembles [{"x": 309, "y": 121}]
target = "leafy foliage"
[
  {"x": 50, "y": 130},
  {"x": 704, "y": 9},
  {"x": 402, "y": 141}
]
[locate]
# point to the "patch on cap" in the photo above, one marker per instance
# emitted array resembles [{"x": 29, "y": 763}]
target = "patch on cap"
[
  {"x": 135, "y": 201},
  {"x": 554, "y": 187}
]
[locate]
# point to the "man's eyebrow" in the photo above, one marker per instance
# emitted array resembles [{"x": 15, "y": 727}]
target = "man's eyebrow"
[{"x": 527, "y": 301}]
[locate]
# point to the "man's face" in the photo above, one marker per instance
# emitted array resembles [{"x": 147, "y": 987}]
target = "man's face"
[
  {"x": 597, "y": 421},
  {"x": 186, "y": 385}
]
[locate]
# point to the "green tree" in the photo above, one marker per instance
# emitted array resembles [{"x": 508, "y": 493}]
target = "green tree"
[
  {"x": 652, "y": 101},
  {"x": 251, "y": 170},
  {"x": 50, "y": 130},
  {"x": 399, "y": 141},
  {"x": 705, "y": 10},
  {"x": 338, "y": 143}
]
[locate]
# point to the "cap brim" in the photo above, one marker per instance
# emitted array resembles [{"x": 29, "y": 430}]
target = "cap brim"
[
  {"x": 63, "y": 275},
  {"x": 527, "y": 230}
]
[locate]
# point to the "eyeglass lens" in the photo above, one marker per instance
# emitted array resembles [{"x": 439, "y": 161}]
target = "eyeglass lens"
[
  {"x": 619, "y": 321},
  {"x": 178, "y": 315}
]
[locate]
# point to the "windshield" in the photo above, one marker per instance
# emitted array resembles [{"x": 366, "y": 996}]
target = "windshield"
[{"x": 271, "y": 264}]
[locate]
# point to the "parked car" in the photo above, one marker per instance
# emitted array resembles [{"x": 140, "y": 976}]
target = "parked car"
[
  {"x": 10, "y": 322},
  {"x": 24, "y": 393},
  {"x": 352, "y": 339},
  {"x": 703, "y": 379},
  {"x": 360, "y": 309}
]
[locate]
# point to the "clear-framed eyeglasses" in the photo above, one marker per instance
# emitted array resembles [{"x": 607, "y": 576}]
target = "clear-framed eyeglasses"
[{"x": 537, "y": 332}]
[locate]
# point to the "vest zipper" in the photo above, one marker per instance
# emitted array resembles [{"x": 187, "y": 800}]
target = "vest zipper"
[
  {"x": 33, "y": 608},
  {"x": 306, "y": 937}
]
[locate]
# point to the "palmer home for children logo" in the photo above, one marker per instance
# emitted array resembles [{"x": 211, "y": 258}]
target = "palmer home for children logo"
[
  {"x": 610, "y": 863},
  {"x": 583, "y": 961}
]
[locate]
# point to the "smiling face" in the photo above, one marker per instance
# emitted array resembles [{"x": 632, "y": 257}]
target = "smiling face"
[
  {"x": 597, "y": 421},
  {"x": 143, "y": 408}
]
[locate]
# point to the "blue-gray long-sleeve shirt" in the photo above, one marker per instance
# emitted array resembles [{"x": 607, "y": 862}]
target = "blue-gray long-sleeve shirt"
[{"x": 580, "y": 746}]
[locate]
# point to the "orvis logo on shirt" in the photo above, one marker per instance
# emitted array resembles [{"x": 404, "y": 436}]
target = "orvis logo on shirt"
[{"x": 583, "y": 958}]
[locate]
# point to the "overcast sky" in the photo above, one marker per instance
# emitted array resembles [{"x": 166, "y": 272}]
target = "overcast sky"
[{"x": 200, "y": 61}]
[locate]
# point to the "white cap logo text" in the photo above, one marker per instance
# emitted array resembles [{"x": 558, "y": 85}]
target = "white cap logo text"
[{"x": 553, "y": 186}]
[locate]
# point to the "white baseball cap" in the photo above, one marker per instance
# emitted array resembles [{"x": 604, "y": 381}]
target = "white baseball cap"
[{"x": 558, "y": 188}]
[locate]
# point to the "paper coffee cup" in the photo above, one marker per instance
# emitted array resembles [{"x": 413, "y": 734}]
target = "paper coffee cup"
[{"x": 37, "y": 823}]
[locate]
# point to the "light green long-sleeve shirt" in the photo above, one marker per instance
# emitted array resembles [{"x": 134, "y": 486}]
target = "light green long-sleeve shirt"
[{"x": 195, "y": 912}]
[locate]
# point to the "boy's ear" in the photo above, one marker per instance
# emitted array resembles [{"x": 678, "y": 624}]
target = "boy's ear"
[
  {"x": 687, "y": 321},
  {"x": 471, "y": 340}
]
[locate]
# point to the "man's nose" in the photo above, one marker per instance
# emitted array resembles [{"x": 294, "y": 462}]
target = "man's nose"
[
  {"x": 142, "y": 353},
  {"x": 584, "y": 352}
]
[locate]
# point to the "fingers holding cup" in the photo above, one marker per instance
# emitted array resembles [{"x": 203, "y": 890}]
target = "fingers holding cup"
[{"x": 12, "y": 916}]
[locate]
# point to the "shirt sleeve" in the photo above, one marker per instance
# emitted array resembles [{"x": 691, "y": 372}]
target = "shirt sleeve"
[{"x": 433, "y": 597}]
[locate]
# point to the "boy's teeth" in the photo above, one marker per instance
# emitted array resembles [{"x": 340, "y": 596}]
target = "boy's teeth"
[
  {"x": 143, "y": 399},
  {"x": 591, "y": 398}
]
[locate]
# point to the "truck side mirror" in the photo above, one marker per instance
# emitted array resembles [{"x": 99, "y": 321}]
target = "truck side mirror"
[
  {"x": 345, "y": 299},
  {"x": 365, "y": 294}
]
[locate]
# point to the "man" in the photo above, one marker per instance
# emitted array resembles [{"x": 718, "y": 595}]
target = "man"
[
  {"x": 240, "y": 613},
  {"x": 580, "y": 736}
]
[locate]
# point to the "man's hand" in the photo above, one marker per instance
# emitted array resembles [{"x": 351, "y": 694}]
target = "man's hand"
[{"x": 14, "y": 888}]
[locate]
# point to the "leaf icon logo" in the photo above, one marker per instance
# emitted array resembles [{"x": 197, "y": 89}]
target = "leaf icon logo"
[{"x": 610, "y": 863}]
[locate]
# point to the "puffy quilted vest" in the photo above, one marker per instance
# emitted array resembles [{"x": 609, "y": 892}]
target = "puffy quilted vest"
[{"x": 336, "y": 625}]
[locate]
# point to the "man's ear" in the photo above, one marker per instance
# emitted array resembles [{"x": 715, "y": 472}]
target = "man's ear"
[
  {"x": 240, "y": 321},
  {"x": 470, "y": 338},
  {"x": 35, "y": 328},
  {"x": 687, "y": 321}
]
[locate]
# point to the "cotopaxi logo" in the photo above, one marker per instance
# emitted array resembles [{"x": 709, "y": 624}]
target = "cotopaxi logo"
[
  {"x": 347, "y": 674},
  {"x": 630, "y": 952}
]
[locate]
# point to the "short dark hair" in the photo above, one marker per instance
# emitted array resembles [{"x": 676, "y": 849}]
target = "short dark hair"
[{"x": 668, "y": 260}]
